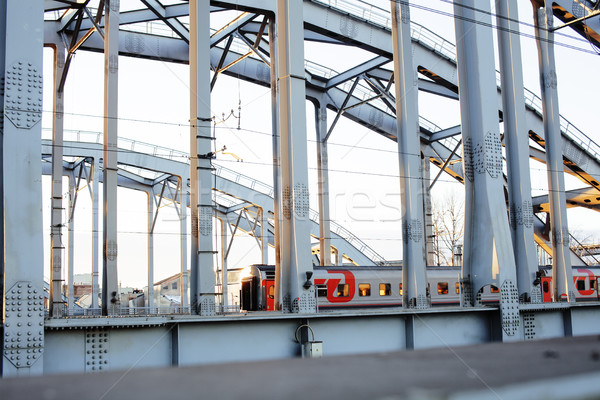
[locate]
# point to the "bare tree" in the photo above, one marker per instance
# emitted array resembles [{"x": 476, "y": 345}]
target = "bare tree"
[{"x": 448, "y": 228}]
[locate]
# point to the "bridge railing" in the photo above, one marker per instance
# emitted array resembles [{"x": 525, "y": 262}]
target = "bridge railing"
[
  {"x": 148, "y": 311},
  {"x": 447, "y": 49},
  {"x": 419, "y": 33},
  {"x": 221, "y": 171},
  {"x": 336, "y": 228}
]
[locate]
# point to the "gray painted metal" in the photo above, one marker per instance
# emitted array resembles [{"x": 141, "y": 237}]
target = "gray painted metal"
[
  {"x": 488, "y": 251},
  {"x": 202, "y": 288},
  {"x": 73, "y": 192},
  {"x": 562, "y": 281},
  {"x": 56, "y": 242},
  {"x": 262, "y": 336},
  {"x": 275, "y": 132},
  {"x": 569, "y": 10},
  {"x": 431, "y": 51},
  {"x": 21, "y": 39},
  {"x": 346, "y": 29},
  {"x": 151, "y": 219},
  {"x": 110, "y": 288},
  {"x": 323, "y": 184},
  {"x": 296, "y": 266},
  {"x": 95, "y": 173},
  {"x": 228, "y": 181},
  {"x": 516, "y": 138},
  {"x": 414, "y": 275}
]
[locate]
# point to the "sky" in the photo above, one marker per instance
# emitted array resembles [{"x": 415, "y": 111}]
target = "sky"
[{"x": 364, "y": 185}]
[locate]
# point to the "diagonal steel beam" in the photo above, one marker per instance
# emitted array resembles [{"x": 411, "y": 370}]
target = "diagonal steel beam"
[
  {"x": 386, "y": 96},
  {"x": 221, "y": 62},
  {"x": 90, "y": 31},
  {"x": 230, "y": 28},
  {"x": 254, "y": 47},
  {"x": 74, "y": 42},
  {"x": 356, "y": 71},
  {"x": 160, "y": 197},
  {"x": 96, "y": 20},
  {"x": 237, "y": 207},
  {"x": 172, "y": 22},
  {"x": 71, "y": 15},
  {"x": 443, "y": 167},
  {"x": 341, "y": 109},
  {"x": 446, "y": 133}
]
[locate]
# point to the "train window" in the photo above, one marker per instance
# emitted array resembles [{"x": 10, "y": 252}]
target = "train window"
[
  {"x": 581, "y": 285},
  {"x": 321, "y": 290},
  {"x": 364, "y": 289},
  {"x": 494, "y": 289},
  {"x": 174, "y": 285},
  {"x": 442, "y": 287},
  {"x": 592, "y": 284},
  {"x": 166, "y": 287},
  {"x": 457, "y": 287},
  {"x": 385, "y": 289},
  {"x": 546, "y": 287},
  {"x": 400, "y": 289},
  {"x": 343, "y": 290},
  {"x": 272, "y": 291}
]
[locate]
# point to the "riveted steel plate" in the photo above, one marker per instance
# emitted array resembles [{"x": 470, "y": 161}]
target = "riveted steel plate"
[
  {"x": 23, "y": 94},
  {"x": 23, "y": 324}
]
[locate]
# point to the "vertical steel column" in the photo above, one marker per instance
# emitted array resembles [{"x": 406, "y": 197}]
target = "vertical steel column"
[
  {"x": 264, "y": 234},
  {"x": 276, "y": 161},
  {"x": 224, "y": 262},
  {"x": 184, "y": 273},
  {"x": 323, "y": 184},
  {"x": 516, "y": 137},
  {"x": 488, "y": 253},
  {"x": 71, "y": 243},
  {"x": 57, "y": 305},
  {"x": 21, "y": 41},
  {"x": 428, "y": 213},
  {"x": 562, "y": 275},
  {"x": 110, "y": 289},
  {"x": 96, "y": 170},
  {"x": 414, "y": 275},
  {"x": 3, "y": 297},
  {"x": 296, "y": 262},
  {"x": 150, "y": 302},
  {"x": 202, "y": 268}
]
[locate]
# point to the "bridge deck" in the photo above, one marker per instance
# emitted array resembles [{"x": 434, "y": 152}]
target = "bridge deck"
[{"x": 549, "y": 369}]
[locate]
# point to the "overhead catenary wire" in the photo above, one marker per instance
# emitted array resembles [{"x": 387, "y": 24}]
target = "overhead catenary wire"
[{"x": 494, "y": 26}]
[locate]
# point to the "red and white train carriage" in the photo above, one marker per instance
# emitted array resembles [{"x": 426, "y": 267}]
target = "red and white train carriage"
[{"x": 362, "y": 287}]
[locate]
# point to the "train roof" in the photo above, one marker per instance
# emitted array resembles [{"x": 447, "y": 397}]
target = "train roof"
[{"x": 265, "y": 267}]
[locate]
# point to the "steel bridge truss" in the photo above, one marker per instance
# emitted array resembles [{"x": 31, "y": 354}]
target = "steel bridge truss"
[{"x": 263, "y": 45}]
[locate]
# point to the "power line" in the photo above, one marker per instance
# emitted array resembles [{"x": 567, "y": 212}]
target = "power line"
[{"x": 493, "y": 26}]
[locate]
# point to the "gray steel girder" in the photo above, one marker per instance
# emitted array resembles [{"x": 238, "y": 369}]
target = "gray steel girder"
[
  {"x": 570, "y": 10},
  {"x": 443, "y": 66},
  {"x": 181, "y": 169}
]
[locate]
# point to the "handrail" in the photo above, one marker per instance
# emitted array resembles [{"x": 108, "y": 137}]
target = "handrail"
[
  {"x": 221, "y": 171},
  {"x": 379, "y": 16},
  {"x": 443, "y": 47}
]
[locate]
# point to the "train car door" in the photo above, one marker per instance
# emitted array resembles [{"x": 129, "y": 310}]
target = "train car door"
[
  {"x": 249, "y": 294},
  {"x": 546, "y": 289},
  {"x": 598, "y": 287},
  {"x": 270, "y": 294}
]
